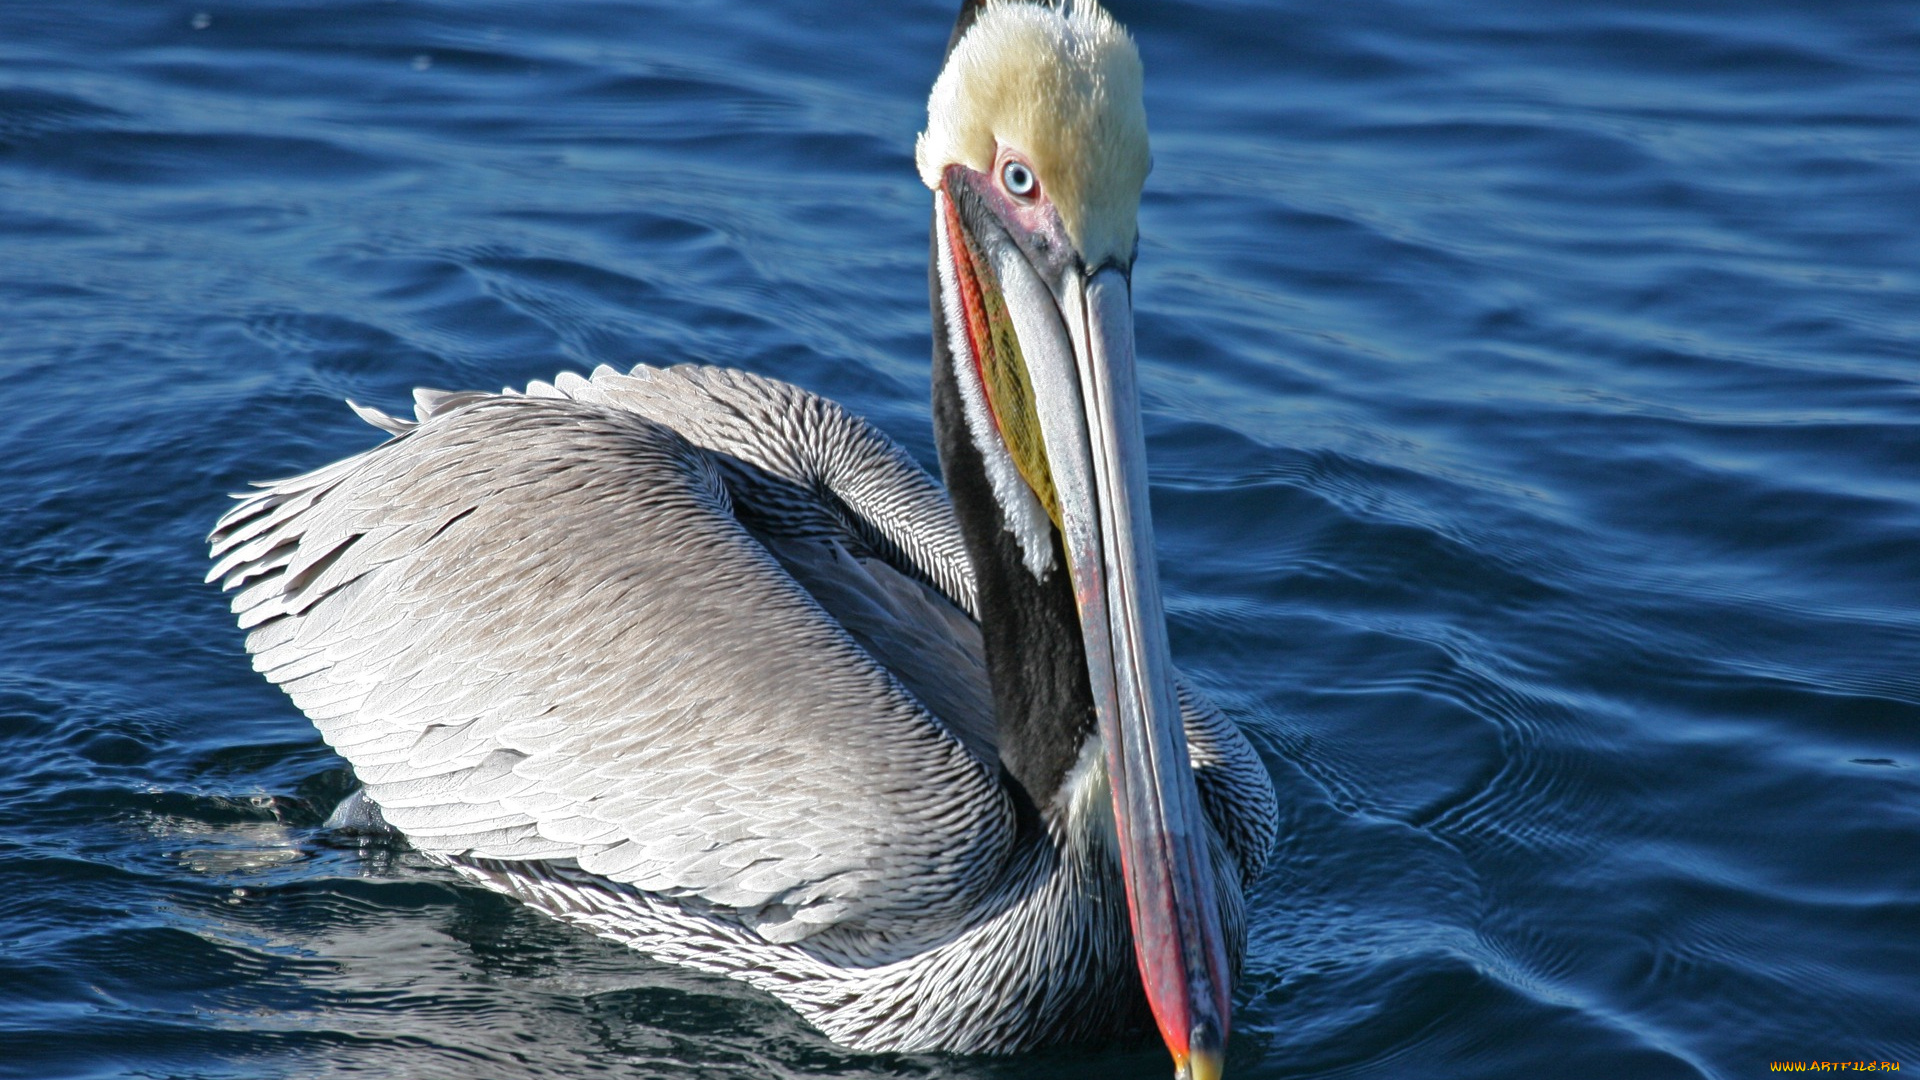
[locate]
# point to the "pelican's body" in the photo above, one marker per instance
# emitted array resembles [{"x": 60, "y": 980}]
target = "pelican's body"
[{"x": 701, "y": 662}]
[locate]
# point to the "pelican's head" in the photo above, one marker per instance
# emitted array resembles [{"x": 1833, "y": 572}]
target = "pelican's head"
[
  {"x": 1036, "y": 150},
  {"x": 1053, "y": 96}
]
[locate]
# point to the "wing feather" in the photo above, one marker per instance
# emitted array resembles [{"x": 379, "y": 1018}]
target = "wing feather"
[{"x": 536, "y": 627}]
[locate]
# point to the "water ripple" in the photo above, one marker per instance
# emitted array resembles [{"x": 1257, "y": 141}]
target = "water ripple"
[{"x": 1532, "y": 405}]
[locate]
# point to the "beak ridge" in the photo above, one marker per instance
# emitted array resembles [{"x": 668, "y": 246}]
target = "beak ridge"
[
  {"x": 1075, "y": 341},
  {"x": 1178, "y": 940},
  {"x": 1097, "y": 451}
]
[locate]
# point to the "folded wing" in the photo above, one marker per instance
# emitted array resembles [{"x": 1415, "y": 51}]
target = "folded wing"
[{"x": 551, "y": 626}]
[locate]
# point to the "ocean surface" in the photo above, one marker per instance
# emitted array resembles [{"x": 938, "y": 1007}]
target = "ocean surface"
[{"x": 1533, "y": 399}]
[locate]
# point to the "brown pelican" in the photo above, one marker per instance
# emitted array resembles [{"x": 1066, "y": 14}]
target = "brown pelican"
[{"x": 699, "y": 661}]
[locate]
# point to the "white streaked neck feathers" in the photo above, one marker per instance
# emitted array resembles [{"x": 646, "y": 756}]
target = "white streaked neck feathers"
[{"x": 1026, "y": 518}]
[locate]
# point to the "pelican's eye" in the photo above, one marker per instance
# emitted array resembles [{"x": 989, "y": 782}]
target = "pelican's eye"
[{"x": 1017, "y": 178}]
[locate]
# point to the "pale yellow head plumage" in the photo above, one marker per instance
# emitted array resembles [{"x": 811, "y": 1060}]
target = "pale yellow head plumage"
[{"x": 1063, "y": 88}]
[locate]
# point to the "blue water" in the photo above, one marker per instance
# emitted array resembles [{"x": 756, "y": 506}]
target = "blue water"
[{"x": 1533, "y": 396}]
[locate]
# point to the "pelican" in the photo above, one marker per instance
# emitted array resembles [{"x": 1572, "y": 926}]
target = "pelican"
[{"x": 703, "y": 663}]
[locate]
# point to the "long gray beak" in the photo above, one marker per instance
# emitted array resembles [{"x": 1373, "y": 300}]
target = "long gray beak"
[{"x": 1089, "y": 411}]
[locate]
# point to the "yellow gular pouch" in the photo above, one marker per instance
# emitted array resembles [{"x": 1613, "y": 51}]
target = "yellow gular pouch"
[{"x": 1002, "y": 368}]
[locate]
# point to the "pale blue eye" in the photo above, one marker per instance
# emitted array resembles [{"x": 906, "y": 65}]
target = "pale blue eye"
[{"x": 1017, "y": 178}]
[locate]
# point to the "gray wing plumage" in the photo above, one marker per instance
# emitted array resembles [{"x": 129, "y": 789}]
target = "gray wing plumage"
[
  {"x": 553, "y": 626},
  {"x": 856, "y": 521},
  {"x": 694, "y": 630}
]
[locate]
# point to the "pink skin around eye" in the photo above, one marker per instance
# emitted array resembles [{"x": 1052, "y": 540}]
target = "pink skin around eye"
[
  {"x": 1035, "y": 193},
  {"x": 1034, "y": 210},
  {"x": 1031, "y": 218}
]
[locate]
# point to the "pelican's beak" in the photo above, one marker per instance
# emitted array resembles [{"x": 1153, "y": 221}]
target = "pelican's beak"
[
  {"x": 1108, "y": 531},
  {"x": 1071, "y": 345}
]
